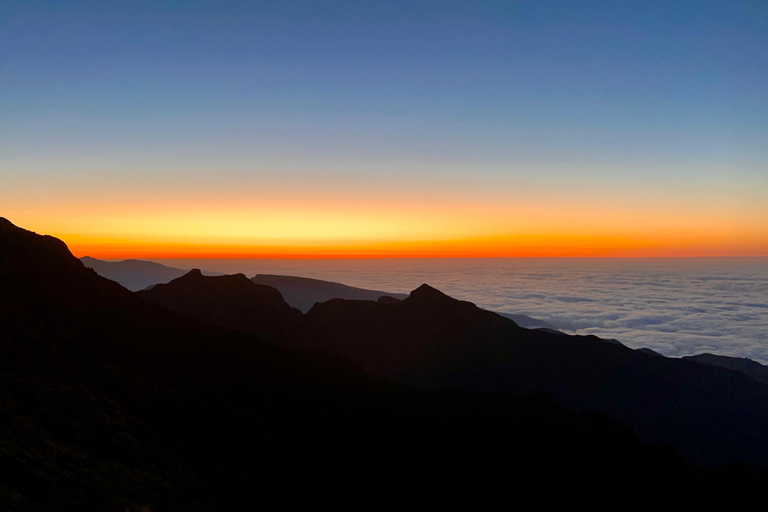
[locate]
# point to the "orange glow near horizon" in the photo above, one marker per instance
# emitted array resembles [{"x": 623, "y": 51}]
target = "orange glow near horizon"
[
  {"x": 380, "y": 229},
  {"x": 493, "y": 246}
]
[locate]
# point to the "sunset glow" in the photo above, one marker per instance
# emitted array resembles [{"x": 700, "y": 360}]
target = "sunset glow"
[
  {"x": 389, "y": 229},
  {"x": 278, "y": 253},
  {"x": 498, "y": 129}
]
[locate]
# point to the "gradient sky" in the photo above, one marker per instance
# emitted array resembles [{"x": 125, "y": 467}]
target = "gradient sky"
[{"x": 392, "y": 128}]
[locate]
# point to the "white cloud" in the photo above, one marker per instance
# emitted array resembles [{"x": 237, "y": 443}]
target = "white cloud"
[{"x": 676, "y": 307}]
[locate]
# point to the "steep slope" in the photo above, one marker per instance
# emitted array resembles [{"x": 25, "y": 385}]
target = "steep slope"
[
  {"x": 303, "y": 292},
  {"x": 109, "y": 402},
  {"x": 228, "y": 301}
]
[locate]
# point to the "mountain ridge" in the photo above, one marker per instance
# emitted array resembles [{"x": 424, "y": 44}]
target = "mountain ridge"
[
  {"x": 232, "y": 301},
  {"x": 111, "y": 402},
  {"x": 433, "y": 341},
  {"x": 300, "y": 292}
]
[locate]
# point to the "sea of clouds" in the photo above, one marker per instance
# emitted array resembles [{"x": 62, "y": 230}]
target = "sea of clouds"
[{"x": 674, "y": 306}]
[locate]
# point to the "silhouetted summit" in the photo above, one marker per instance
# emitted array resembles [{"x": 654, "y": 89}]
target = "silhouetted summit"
[
  {"x": 232, "y": 301},
  {"x": 426, "y": 293}
]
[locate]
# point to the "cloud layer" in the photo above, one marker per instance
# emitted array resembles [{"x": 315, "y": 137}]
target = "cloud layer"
[{"x": 674, "y": 306}]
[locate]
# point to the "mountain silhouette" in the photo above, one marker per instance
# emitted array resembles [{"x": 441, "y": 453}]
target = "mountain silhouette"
[
  {"x": 232, "y": 301},
  {"x": 713, "y": 415},
  {"x": 110, "y": 402},
  {"x": 136, "y": 274},
  {"x": 299, "y": 292}
]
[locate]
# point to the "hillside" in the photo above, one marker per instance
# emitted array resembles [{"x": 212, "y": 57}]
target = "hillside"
[
  {"x": 112, "y": 403},
  {"x": 712, "y": 415}
]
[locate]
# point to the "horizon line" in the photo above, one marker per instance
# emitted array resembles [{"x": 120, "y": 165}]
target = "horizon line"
[{"x": 393, "y": 257}]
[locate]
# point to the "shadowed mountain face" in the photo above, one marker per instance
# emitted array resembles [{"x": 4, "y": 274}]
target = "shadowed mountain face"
[
  {"x": 230, "y": 301},
  {"x": 303, "y": 293},
  {"x": 109, "y": 402},
  {"x": 135, "y": 274}
]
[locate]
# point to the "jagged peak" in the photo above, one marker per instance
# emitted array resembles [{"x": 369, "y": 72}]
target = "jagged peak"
[{"x": 426, "y": 292}]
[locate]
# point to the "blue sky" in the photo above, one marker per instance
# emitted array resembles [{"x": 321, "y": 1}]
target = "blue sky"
[{"x": 623, "y": 98}]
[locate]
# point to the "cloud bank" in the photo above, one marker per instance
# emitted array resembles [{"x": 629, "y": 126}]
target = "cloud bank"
[{"x": 676, "y": 307}]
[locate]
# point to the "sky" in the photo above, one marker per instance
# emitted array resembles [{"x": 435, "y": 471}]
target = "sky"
[{"x": 392, "y": 128}]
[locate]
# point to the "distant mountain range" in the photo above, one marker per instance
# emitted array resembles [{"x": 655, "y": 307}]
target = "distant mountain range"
[
  {"x": 433, "y": 341},
  {"x": 299, "y": 292},
  {"x": 166, "y": 400},
  {"x": 303, "y": 293}
]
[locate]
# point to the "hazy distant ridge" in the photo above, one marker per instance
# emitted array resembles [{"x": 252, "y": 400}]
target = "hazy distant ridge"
[
  {"x": 303, "y": 292},
  {"x": 136, "y": 274}
]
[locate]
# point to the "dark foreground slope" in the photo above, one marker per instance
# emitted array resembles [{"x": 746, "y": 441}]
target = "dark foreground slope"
[{"x": 108, "y": 402}]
